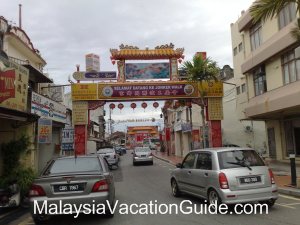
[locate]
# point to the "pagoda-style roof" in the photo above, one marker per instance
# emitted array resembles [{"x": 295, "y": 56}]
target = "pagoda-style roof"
[{"x": 134, "y": 53}]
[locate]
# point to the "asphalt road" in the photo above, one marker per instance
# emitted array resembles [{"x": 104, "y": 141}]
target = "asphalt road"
[{"x": 146, "y": 183}]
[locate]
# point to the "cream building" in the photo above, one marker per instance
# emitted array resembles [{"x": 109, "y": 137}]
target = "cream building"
[
  {"x": 22, "y": 64},
  {"x": 267, "y": 66}
]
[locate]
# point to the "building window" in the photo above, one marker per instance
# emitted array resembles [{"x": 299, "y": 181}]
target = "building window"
[
  {"x": 240, "y": 47},
  {"x": 235, "y": 51},
  {"x": 255, "y": 36},
  {"x": 243, "y": 87},
  {"x": 287, "y": 15},
  {"x": 259, "y": 79},
  {"x": 290, "y": 67},
  {"x": 238, "y": 90}
]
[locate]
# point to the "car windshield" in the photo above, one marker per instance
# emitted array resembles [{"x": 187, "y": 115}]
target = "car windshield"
[
  {"x": 105, "y": 150},
  {"x": 239, "y": 158},
  {"x": 142, "y": 149},
  {"x": 74, "y": 165}
]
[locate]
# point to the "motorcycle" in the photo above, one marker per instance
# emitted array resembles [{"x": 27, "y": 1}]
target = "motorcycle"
[{"x": 10, "y": 196}]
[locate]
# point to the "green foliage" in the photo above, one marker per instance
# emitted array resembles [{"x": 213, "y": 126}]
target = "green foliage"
[
  {"x": 200, "y": 69},
  {"x": 262, "y": 10},
  {"x": 12, "y": 168},
  {"x": 267, "y": 9},
  {"x": 12, "y": 152},
  {"x": 25, "y": 177}
]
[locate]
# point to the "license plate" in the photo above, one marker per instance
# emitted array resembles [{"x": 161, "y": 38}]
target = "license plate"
[
  {"x": 143, "y": 155},
  {"x": 250, "y": 180},
  {"x": 68, "y": 187}
]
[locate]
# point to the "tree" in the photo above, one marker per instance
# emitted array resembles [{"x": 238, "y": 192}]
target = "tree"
[
  {"x": 262, "y": 10},
  {"x": 201, "y": 70}
]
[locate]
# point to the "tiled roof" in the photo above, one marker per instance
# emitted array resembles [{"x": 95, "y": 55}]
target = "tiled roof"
[{"x": 165, "y": 53}]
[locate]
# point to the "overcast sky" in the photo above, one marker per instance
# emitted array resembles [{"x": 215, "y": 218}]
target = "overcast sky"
[{"x": 64, "y": 31}]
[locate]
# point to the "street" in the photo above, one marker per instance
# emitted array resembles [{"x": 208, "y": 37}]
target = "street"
[{"x": 143, "y": 183}]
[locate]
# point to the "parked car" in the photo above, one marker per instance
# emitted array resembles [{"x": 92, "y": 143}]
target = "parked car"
[
  {"x": 142, "y": 155},
  {"x": 123, "y": 149},
  {"x": 230, "y": 145},
  {"x": 10, "y": 196},
  {"x": 118, "y": 150},
  {"x": 72, "y": 180},
  {"x": 225, "y": 175},
  {"x": 110, "y": 156}
]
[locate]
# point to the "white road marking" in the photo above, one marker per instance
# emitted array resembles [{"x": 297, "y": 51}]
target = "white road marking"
[
  {"x": 289, "y": 197},
  {"x": 289, "y": 204},
  {"x": 290, "y": 207},
  {"x": 7, "y": 213},
  {"x": 27, "y": 221}
]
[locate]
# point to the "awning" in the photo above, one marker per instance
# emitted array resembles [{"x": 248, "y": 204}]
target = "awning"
[
  {"x": 95, "y": 139},
  {"x": 36, "y": 76},
  {"x": 11, "y": 114}
]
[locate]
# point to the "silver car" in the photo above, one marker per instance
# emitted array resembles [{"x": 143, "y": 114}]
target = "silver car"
[
  {"x": 110, "y": 155},
  {"x": 225, "y": 175},
  {"x": 142, "y": 155},
  {"x": 72, "y": 180}
]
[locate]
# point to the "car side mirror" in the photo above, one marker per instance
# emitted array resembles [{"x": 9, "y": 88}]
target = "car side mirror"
[{"x": 178, "y": 165}]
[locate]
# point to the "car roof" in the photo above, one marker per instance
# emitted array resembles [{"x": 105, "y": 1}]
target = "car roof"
[{"x": 222, "y": 149}]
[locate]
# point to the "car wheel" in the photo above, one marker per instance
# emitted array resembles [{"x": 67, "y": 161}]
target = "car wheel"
[
  {"x": 270, "y": 203},
  {"x": 40, "y": 219},
  {"x": 213, "y": 197},
  {"x": 134, "y": 163},
  {"x": 175, "y": 188},
  {"x": 151, "y": 163},
  {"x": 109, "y": 214}
]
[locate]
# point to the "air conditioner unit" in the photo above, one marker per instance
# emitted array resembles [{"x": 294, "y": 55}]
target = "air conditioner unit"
[{"x": 248, "y": 129}]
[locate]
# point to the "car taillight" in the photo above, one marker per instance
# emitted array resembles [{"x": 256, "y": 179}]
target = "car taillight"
[
  {"x": 36, "y": 190},
  {"x": 223, "y": 181},
  {"x": 271, "y": 176},
  {"x": 99, "y": 186}
]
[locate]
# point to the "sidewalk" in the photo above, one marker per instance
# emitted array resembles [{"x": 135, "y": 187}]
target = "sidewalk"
[{"x": 281, "y": 172}]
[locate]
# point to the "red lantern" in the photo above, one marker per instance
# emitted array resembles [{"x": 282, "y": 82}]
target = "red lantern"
[
  {"x": 120, "y": 106},
  {"x": 133, "y": 105},
  {"x": 112, "y": 106},
  {"x": 155, "y": 104},
  {"x": 144, "y": 105}
]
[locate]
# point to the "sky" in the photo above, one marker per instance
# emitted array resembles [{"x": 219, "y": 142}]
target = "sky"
[{"x": 64, "y": 31}]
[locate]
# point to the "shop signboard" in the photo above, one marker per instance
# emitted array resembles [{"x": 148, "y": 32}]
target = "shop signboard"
[
  {"x": 92, "y": 62},
  {"x": 90, "y": 76},
  {"x": 13, "y": 85},
  {"x": 151, "y": 90},
  {"x": 44, "y": 131},
  {"x": 80, "y": 113},
  {"x": 47, "y": 108},
  {"x": 67, "y": 139}
]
